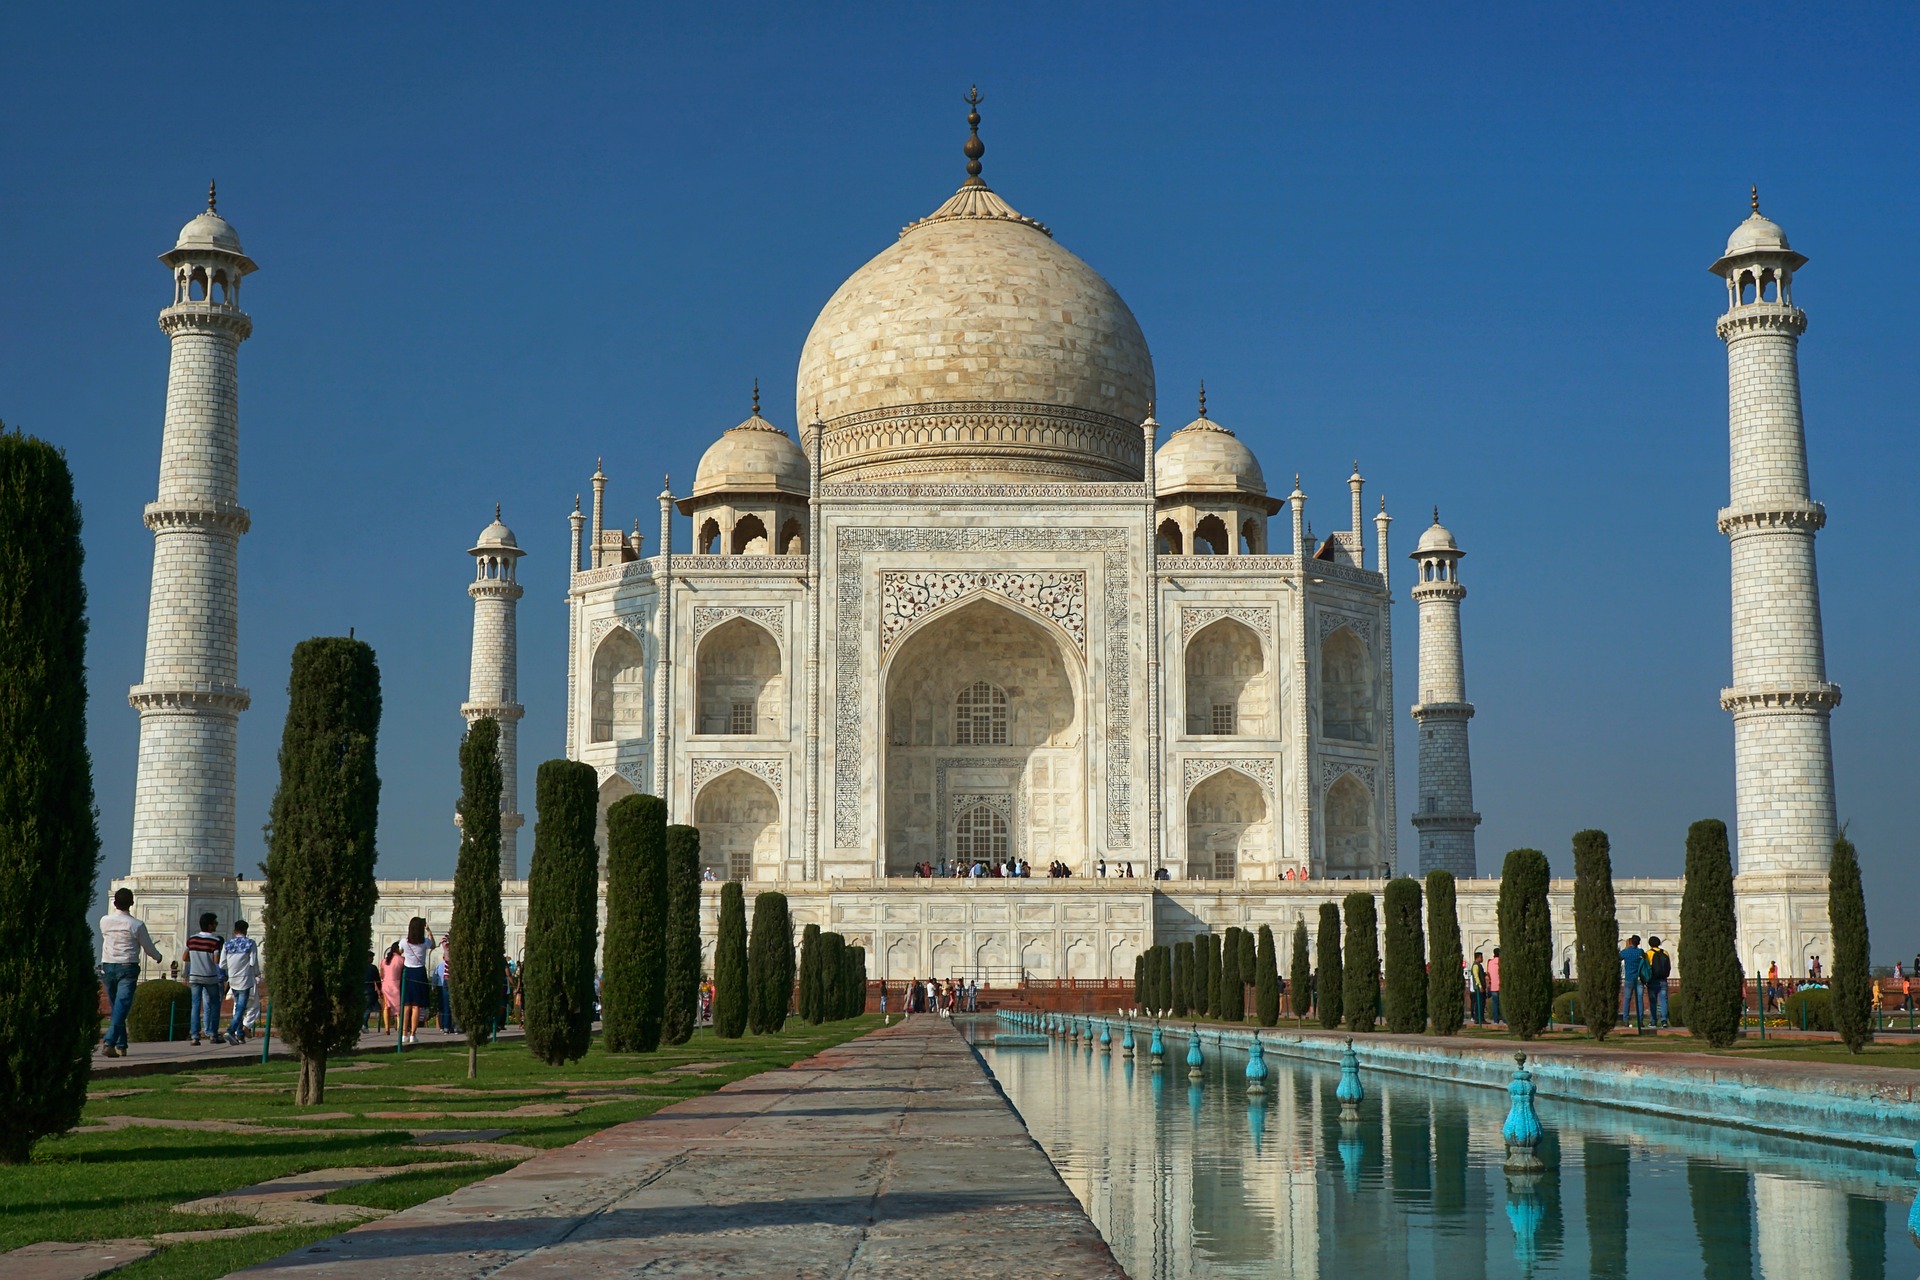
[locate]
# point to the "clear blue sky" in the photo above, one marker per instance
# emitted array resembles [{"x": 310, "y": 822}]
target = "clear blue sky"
[{"x": 498, "y": 241}]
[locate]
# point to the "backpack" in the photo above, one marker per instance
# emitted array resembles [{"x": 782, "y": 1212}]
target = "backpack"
[{"x": 1659, "y": 965}]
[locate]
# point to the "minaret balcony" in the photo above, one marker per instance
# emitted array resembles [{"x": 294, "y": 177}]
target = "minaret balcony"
[
  {"x": 215, "y": 316},
  {"x": 209, "y": 514},
  {"x": 189, "y": 696},
  {"x": 1760, "y": 701},
  {"x": 1443, "y": 711},
  {"x": 1750, "y": 319},
  {"x": 492, "y": 710},
  {"x": 1773, "y": 517}
]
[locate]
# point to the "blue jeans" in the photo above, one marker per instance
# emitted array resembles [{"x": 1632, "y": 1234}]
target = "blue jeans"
[
  {"x": 1493, "y": 1006},
  {"x": 206, "y": 1008},
  {"x": 1631, "y": 998},
  {"x": 242, "y": 997},
  {"x": 119, "y": 980},
  {"x": 1657, "y": 1001}
]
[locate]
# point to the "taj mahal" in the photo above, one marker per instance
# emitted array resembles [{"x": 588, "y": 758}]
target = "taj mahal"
[{"x": 980, "y": 607}]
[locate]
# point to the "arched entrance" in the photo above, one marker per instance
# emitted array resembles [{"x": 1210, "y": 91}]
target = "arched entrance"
[
  {"x": 739, "y": 820},
  {"x": 1350, "y": 842},
  {"x": 985, "y": 742},
  {"x": 1228, "y": 830}
]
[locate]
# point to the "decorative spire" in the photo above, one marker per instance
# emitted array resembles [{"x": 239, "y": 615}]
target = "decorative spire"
[
  {"x": 496, "y": 512},
  {"x": 1203, "y": 397},
  {"x": 1356, "y": 466},
  {"x": 756, "y": 397},
  {"x": 1383, "y": 504},
  {"x": 1436, "y": 513},
  {"x": 974, "y": 148},
  {"x": 576, "y": 504},
  {"x": 212, "y": 197},
  {"x": 1753, "y": 197}
]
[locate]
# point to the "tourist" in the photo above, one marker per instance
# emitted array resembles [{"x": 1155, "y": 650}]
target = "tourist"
[
  {"x": 1659, "y": 969},
  {"x": 1493, "y": 988},
  {"x": 441, "y": 988},
  {"x": 1477, "y": 988},
  {"x": 202, "y": 958},
  {"x": 1633, "y": 962},
  {"x": 123, "y": 940},
  {"x": 242, "y": 957},
  {"x": 1566, "y": 968},
  {"x": 371, "y": 1000},
  {"x": 1906, "y": 994},
  {"x": 413, "y": 977},
  {"x": 1102, "y": 871},
  {"x": 390, "y": 966},
  {"x": 973, "y": 996},
  {"x": 1773, "y": 986}
]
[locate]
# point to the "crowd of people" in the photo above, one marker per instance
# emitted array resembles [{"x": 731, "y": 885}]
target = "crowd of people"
[
  {"x": 216, "y": 969},
  {"x": 930, "y": 995}
]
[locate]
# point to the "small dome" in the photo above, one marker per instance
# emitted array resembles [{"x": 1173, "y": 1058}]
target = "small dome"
[
  {"x": 1437, "y": 538},
  {"x": 496, "y": 536},
  {"x": 1757, "y": 233},
  {"x": 209, "y": 231},
  {"x": 754, "y": 457},
  {"x": 1205, "y": 457}
]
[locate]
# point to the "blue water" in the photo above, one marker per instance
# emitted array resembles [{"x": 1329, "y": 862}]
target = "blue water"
[{"x": 1197, "y": 1180}]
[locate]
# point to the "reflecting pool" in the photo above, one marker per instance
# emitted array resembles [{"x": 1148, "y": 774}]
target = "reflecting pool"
[{"x": 1194, "y": 1179}]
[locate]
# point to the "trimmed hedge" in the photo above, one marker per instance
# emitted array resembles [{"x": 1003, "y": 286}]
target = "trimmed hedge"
[
  {"x": 1446, "y": 979},
  {"x": 148, "y": 1019},
  {"x": 1814, "y": 1003}
]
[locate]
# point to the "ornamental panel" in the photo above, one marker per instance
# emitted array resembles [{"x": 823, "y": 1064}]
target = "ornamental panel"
[
  {"x": 633, "y": 622},
  {"x": 1196, "y": 769},
  {"x": 1330, "y": 771},
  {"x": 1194, "y": 618},
  {"x": 1332, "y": 620},
  {"x": 706, "y": 768},
  {"x": 1059, "y": 597},
  {"x": 708, "y": 616}
]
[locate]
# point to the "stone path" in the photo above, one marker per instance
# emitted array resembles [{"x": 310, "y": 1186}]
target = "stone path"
[{"x": 892, "y": 1155}]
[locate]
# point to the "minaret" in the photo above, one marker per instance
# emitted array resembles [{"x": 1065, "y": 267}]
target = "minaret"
[
  {"x": 189, "y": 698},
  {"x": 493, "y": 687},
  {"x": 1444, "y": 815},
  {"x": 1780, "y": 697}
]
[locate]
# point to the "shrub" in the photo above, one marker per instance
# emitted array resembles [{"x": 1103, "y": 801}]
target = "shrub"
[
  {"x": 1526, "y": 943},
  {"x": 1182, "y": 977},
  {"x": 1596, "y": 930},
  {"x": 1362, "y": 962},
  {"x": 162, "y": 1010},
  {"x": 477, "y": 939},
  {"x": 1709, "y": 960},
  {"x": 1852, "y": 980},
  {"x": 682, "y": 1007},
  {"x": 1266, "y": 979},
  {"x": 1446, "y": 976},
  {"x": 1406, "y": 958},
  {"x": 730, "y": 964},
  {"x": 633, "y": 992},
  {"x": 1300, "y": 975},
  {"x": 320, "y": 891},
  {"x": 1566, "y": 1008},
  {"x": 563, "y": 920},
  {"x": 1814, "y": 1005},
  {"x": 1233, "y": 988},
  {"x": 810, "y": 975},
  {"x": 1211, "y": 999},
  {"x": 49, "y": 841},
  {"x": 770, "y": 963},
  {"x": 1329, "y": 993}
]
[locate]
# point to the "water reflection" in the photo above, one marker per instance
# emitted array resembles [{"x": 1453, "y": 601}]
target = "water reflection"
[{"x": 1197, "y": 1180}]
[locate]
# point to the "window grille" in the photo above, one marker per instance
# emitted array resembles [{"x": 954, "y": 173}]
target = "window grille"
[
  {"x": 980, "y": 835},
  {"x": 980, "y": 715},
  {"x": 1223, "y": 722},
  {"x": 742, "y": 718},
  {"x": 740, "y": 864}
]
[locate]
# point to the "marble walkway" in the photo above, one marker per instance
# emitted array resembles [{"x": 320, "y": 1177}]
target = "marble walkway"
[{"x": 891, "y": 1155}]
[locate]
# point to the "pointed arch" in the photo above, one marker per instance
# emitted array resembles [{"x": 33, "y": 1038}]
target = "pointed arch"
[
  {"x": 1351, "y": 842},
  {"x": 1210, "y": 537},
  {"x": 707, "y": 541},
  {"x": 615, "y": 788},
  {"x": 619, "y": 688},
  {"x": 739, "y": 680},
  {"x": 1229, "y": 827},
  {"x": 1346, "y": 687},
  {"x": 740, "y": 828},
  {"x": 1226, "y": 681},
  {"x": 793, "y": 541},
  {"x": 750, "y": 537},
  {"x": 1168, "y": 540}
]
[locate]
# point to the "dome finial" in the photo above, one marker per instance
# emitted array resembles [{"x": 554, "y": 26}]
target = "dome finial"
[
  {"x": 1203, "y": 397},
  {"x": 212, "y": 196},
  {"x": 974, "y": 148},
  {"x": 496, "y": 513},
  {"x": 756, "y": 397},
  {"x": 1753, "y": 197},
  {"x": 1436, "y": 513}
]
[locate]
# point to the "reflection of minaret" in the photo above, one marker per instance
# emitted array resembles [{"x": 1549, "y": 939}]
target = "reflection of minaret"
[
  {"x": 494, "y": 684},
  {"x": 1444, "y": 816},
  {"x": 1780, "y": 697},
  {"x": 189, "y": 699},
  {"x": 1802, "y": 1228}
]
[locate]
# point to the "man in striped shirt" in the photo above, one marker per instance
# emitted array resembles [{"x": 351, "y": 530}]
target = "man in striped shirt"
[{"x": 202, "y": 960}]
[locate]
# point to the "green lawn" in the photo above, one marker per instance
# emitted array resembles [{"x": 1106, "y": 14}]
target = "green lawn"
[{"x": 124, "y": 1182}]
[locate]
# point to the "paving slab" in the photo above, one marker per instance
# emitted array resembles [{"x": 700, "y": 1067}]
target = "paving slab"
[
  {"x": 892, "y": 1155},
  {"x": 51, "y": 1260}
]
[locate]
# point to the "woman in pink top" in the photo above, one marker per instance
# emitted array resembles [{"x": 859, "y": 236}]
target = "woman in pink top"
[{"x": 390, "y": 987}]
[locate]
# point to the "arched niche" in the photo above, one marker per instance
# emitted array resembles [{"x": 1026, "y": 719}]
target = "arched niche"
[
  {"x": 750, "y": 537},
  {"x": 1167, "y": 539},
  {"x": 1030, "y": 761},
  {"x": 613, "y": 790},
  {"x": 1226, "y": 681},
  {"x": 739, "y": 820},
  {"x": 793, "y": 541},
  {"x": 1351, "y": 843},
  {"x": 1210, "y": 537},
  {"x": 739, "y": 680},
  {"x": 1228, "y": 827},
  {"x": 619, "y": 688},
  {"x": 707, "y": 541},
  {"x": 1346, "y": 688}
]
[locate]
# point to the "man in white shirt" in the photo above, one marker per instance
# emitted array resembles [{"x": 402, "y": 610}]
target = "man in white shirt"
[
  {"x": 122, "y": 940},
  {"x": 241, "y": 956}
]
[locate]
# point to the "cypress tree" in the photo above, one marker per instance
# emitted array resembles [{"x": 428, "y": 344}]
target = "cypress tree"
[
  {"x": 320, "y": 854},
  {"x": 49, "y": 843},
  {"x": 1362, "y": 963},
  {"x": 1406, "y": 957},
  {"x": 1139, "y": 971},
  {"x": 1852, "y": 979},
  {"x": 856, "y": 981},
  {"x": 810, "y": 975},
  {"x": 477, "y": 939},
  {"x": 832, "y": 979},
  {"x": 1234, "y": 976},
  {"x": 1596, "y": 932},
  {"x": 1330, "y": 990},
  {"x": 730, "y": 990},
  {"x": 680, "y": 1012},
  {"x": 1163, "y": 976},
  {"x": 1446, "y": 976},
  {"x": 563, "y": 918},
  {"x": 1182, "y": 977},
  {"x": 1709, "y": 957},
  {"x": 1214, "y": 1001},
  {"x": 1266, "y": 980},
  {"x": 770, "y": 964},
  {"x": 1249, "y": 955},
  {"x": 1526, "y": 943},
  {"x": 633, "y": 991},
  {"x": 1300, "y": 976}
]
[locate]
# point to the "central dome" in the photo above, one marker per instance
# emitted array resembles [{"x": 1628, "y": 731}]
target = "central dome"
[{"x": 977, "y": 349}]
